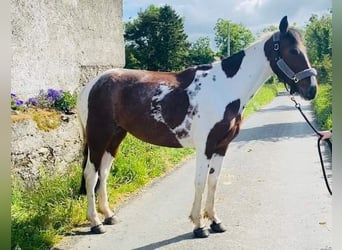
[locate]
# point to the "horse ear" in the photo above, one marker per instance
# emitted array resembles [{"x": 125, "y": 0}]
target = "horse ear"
[{"x": 283, "y": 26}]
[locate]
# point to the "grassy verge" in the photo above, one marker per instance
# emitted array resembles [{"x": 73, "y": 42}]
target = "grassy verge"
[
  {"x": 41, "y": 215},
  {"x": 265, "y": 94},
  {"x": 322, "y": 105}
]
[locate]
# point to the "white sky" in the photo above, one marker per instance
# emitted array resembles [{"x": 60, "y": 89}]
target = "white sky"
[{"x": 200, "y": 16}]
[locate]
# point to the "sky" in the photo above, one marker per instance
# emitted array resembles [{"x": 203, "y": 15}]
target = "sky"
[{"x": 200, "y": 16}]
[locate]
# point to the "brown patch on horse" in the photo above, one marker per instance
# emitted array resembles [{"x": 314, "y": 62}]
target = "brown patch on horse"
[
  {"x": 174, "y": 107},
  {"x": 231, "y": 65},
  {"x": 117, "y": 102},
  {"x": 186, "y": 77},
  {"x": 223, "y": 133}
]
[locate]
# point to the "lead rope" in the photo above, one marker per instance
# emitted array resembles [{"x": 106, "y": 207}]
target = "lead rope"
[{"x": 297, "y": 105}]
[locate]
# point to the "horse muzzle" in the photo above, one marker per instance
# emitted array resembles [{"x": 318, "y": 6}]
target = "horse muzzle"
[{"x": 309, "y": 93}]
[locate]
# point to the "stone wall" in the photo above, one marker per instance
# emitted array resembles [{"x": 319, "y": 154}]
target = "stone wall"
[
  {"x": 62, "y": 45},
  {"x": 32, "y": 149},
  {"x": 58, "y": 44}
]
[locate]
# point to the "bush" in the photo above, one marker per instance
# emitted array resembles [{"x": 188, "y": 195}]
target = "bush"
[{"x": 323, "y": 107}]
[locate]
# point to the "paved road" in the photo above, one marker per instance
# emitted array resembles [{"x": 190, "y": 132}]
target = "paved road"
[{"x": 271, "y": 195}]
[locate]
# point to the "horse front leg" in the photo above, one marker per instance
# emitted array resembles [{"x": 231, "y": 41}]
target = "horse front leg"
[
  {"x": 209, "y": 212},
  {"x": 202, "y": 164}
]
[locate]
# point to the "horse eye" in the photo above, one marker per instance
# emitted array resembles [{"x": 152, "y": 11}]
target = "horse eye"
[{"x": 294, "y": 52}]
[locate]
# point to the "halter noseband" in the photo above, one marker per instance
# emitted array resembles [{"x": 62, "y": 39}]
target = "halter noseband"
[{"x": 296, "y": 77}]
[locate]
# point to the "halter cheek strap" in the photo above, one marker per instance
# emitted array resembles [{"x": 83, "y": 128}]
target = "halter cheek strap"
[{"x": 296, "y": 77}]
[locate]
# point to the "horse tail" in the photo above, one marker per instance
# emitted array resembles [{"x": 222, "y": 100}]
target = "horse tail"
[
  {"x": 83, "y": 190},
  {"x": 84, "y": 163},
  {"x": 82, "y": 121}
]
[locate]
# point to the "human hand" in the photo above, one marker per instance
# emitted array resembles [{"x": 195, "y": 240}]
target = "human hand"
[{"x": 326, "y": 134}]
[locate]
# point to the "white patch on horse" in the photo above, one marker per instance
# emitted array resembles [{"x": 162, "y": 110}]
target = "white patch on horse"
[
  {"x": 183, "y": 130},
  {"x": 156, "y": 109},
  {"x": 106, "y": 162}
]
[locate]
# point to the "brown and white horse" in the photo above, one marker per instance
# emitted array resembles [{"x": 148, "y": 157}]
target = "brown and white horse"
[{"x": 199, "y": 107}]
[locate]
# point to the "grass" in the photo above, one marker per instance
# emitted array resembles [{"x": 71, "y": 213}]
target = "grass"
[
  {"x": 322, "y": 105},
  {"x": 43, "y": 213},
  {"x": 46, "y": 119},
  {"x": 265, "y": 94}
]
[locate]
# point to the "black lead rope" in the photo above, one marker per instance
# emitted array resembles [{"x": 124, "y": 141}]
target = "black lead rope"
[{"x": 297, "y": 105}]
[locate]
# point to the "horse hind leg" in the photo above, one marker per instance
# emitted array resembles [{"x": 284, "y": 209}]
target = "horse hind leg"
[
  {"x": 97, "y": 141},
  {"x": 91, "y": 177},
  {"x": 106, "y": 163}
]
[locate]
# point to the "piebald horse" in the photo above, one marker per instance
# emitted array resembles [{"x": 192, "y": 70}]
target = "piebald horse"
[{"x": 199, "y": 107}]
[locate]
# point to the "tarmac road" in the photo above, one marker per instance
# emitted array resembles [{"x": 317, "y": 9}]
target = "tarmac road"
[{"x": 271, "y": 195}]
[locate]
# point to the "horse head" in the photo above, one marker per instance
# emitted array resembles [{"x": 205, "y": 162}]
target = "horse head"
[{"x": 289, "y": 61}]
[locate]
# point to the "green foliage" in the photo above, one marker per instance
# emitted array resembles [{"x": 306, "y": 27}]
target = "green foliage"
[
  {"x": 41, "y": 214},
  {"x": 264, "y": 95},
  {"x": 322, "y": 105},
  {"x": 138, "y": 162},
  {"x": 240, "y": 37},
  {"x": 66, "y": 102},
  {"x": 156, "y": 40},
  {"x": 200, "y": 52},
  {"x": 318, "y": 39},
  {"x": 271, "y": 28}
]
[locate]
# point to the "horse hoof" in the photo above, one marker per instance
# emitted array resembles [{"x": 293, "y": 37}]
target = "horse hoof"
[
  {"x": 98, "y": 229},
  {"x": 217, "y": 227},
  {"x": 110, "y": 221},
  {"x": 201, "y": 232}
]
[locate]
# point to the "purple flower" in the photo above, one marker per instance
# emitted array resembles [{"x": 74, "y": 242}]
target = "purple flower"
[
  {"x": 53, "y": 94},
  {"x": 32, "y": 101},
  {"x": 13, "y": 95},
  {"x": 19, "y": 102}
]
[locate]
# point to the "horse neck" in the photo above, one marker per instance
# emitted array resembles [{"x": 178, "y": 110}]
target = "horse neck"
[{"x": 254, "y": 71}]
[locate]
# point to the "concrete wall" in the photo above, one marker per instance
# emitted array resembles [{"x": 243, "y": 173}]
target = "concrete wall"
[
  {"x": 59, "y": 44},
  {"x": 63, "y": 43}
]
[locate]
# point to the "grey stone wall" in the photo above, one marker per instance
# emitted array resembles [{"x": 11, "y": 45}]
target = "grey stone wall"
[
  {"x": 62, "y": 45},
  {"x": 57, "y": 44},
  {"x": 32, "y": 149}
]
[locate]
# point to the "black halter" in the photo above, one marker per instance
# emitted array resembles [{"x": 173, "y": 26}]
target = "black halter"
[{"x": 282, "y": 65}]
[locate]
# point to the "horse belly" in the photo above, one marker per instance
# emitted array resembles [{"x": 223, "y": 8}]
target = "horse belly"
[{"x": 152, "y": 132}]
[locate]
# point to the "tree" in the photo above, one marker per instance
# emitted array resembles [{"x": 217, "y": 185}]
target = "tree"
[
  {"x": 156, "y": 40},
  {"x": 200, "y": 52},
  {"x": 269, "y": 29},
  {"x": 318, "y": 39},
  {"x": 239, "y": 36}
]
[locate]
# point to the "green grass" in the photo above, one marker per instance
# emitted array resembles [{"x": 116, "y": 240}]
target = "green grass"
[
  {"x": 42, "y": 214},
  {"x": 265, "y": 94},
  {"x": 322, "y": 105}
]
